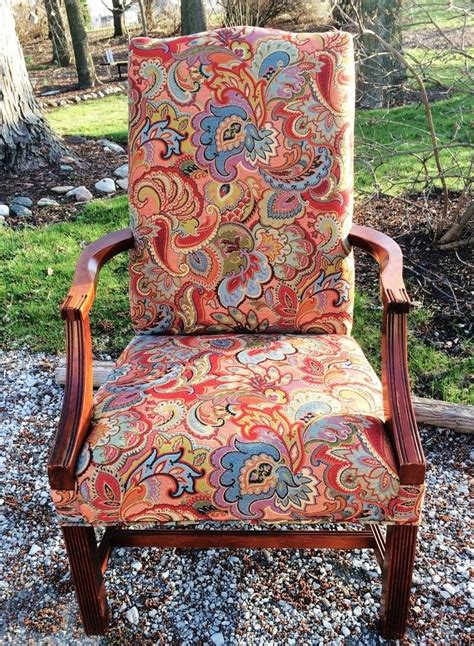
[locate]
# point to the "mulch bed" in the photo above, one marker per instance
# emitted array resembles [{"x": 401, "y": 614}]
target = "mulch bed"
[
  {"x": 437, "y": 279},
  {"x": 93, "y": 163}
]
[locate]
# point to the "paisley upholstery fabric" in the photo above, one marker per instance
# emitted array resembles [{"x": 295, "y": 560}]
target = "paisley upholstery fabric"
[
  {"x": 239, "y": 427},
  {"x": 241, "y": 182}
]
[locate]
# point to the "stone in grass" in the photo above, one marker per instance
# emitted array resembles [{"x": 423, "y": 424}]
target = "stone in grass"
[
  {"x": 81, "y": 194},
  {"x": 65, "y": 168},
  {"x": 121, "y": 171},
  {"x": 23, "y": 200},
  {"x": 111, "y": 145},
  {"x": 106, "y": 185},
  {"x": 132, "y": 615},
  {"x": 4, "y": 210},
  {"x": 47, "y": 201},
  {"x": 20, "y": 210},
  {"x": 34, "y": 549},
  {"x": 61, "y": 190},
  {"x": 123, "y": 183}
]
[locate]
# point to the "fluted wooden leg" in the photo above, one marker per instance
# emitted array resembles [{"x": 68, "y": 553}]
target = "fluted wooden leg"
[
  {"x": 397, "y": 577},
  {"x": 83, "y": 556}
]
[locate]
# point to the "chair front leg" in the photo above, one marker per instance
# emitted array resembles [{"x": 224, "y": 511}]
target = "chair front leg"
[
  {"x": 400, "y": 547},
  {"x": 81, "y": 546}
]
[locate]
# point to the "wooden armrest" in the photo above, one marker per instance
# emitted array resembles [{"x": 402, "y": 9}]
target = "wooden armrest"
[
  {"x": 390, "y": 259},
  {"x": 80, "y": 297},
  {"x": 398, "y": 406},
  {"x": 77, "y": 405}
]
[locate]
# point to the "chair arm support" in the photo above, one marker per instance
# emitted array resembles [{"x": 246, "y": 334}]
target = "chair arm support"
[
  {"x": 80, "y": 297},
  {"x": 398, "y": 406},
  {"x": 390, "y": 259},
  {"x": 78, "y": 393}
]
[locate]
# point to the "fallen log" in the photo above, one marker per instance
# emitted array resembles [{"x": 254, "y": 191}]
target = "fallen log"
[{"x": 432, "y": 412}]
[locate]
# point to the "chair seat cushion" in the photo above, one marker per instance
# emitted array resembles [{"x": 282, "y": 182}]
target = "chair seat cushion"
[{"x": 239, "y": 427}]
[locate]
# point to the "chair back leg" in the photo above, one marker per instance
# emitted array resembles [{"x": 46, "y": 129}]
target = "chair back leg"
[
  {"x": 397, "y": 573},
  {"x": 81, "y": 546}
]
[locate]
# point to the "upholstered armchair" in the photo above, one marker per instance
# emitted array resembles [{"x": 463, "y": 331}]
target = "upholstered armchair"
[{"x": 243, "y": 396}]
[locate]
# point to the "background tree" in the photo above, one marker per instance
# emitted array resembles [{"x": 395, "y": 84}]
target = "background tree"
[
  {"x": 380, "y": 74},
  {"x": 26, "y": 140},
  {"x": 84, "y": 64},
  {"x": 193, "y": 17},
  {"x": 57, "y": 33},
  {"x": 142, "y": 12},
  {"x": 118, "y": 14}
]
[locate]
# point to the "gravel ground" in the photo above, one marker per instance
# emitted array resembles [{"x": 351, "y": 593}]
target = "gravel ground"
[{"x": 214, "y": 597}]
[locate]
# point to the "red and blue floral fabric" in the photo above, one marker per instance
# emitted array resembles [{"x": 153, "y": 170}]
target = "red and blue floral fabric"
[
  {"x": 244, "y": 396},
  {"x": 252, "y": 427},
  {"x": 241, "y": 182}
]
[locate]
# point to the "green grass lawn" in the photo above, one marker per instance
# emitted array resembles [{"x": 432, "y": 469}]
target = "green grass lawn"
[
  {"x": 379, "y": 133},
  {"x": 30, "y": 295},
  {"x": 446, "y": 14},
  {"x": 104, "y": 118}
]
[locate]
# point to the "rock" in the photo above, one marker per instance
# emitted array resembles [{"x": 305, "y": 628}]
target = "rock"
[
  {"x": 137, "y": 566},
  {"x": 111, "y": 145},
  {"x": 34, "y": 549},
  {"x": 20, "y": 210},
  {"x": 218, "y": 639},
  {"x": 4, "y": 210},
  {"x": 450, "y": 589},
  {"x": 65, "y": 168},
  {"x": 436, "y": 578},
  {"x": 81, "y": 193},
  {"x": 24, "y": 201},
  {"x": 61, "y": 190},
  {"x": 68, "y": 160},
  {"x": 2, "y": 220},
  {"x": 123, "y": 183},
  {"x": 106, "y": 185},
  {"x": 121, "y": 171},
  {"x": 47, "y": 201},
  {"x": 132, "y": 615}
]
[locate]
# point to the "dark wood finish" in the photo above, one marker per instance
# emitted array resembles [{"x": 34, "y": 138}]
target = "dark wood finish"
[
  {"x": 398, "y": 406},
  {"x": 83, "y": 556},
  {"x": 397, "y": 573},
  {"x": 77, "y": 405},
  {"x": 187, "y": 538},
  {"x": 105, "y": 548},
  {"x": 390, "y": 259},
  {"x": 379, "y": 547}
]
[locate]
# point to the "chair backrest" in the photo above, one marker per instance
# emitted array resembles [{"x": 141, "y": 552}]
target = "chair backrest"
[{"x": 241, "y": 182}]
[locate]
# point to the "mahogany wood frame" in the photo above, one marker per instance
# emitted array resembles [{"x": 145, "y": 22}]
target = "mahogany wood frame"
[{"x": 395, "y": 553}]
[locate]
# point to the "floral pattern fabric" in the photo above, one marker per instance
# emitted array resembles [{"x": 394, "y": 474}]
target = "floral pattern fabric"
[
  {"x": 241, "y": 182},
  {"x": 239, "y": 427}
]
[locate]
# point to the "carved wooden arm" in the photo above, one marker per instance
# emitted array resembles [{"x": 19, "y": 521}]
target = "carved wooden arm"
[
  {"x": 77, "y": 405},
  {"x": 395, "y": 379}
]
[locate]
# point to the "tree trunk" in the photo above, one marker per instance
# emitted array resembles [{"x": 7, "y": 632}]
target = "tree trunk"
[
  {"x": 118, "y": 14},
  {"x": 150, "y": 21},
  {"x": 193, "y": 17},
  {"x": 380, "y": 74},
  {"x": 57, "y": 33},
  {"x": 26, "y": 140},
  {"x": 84, "y": 63},
  {"x": 141, "y": 6}
]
